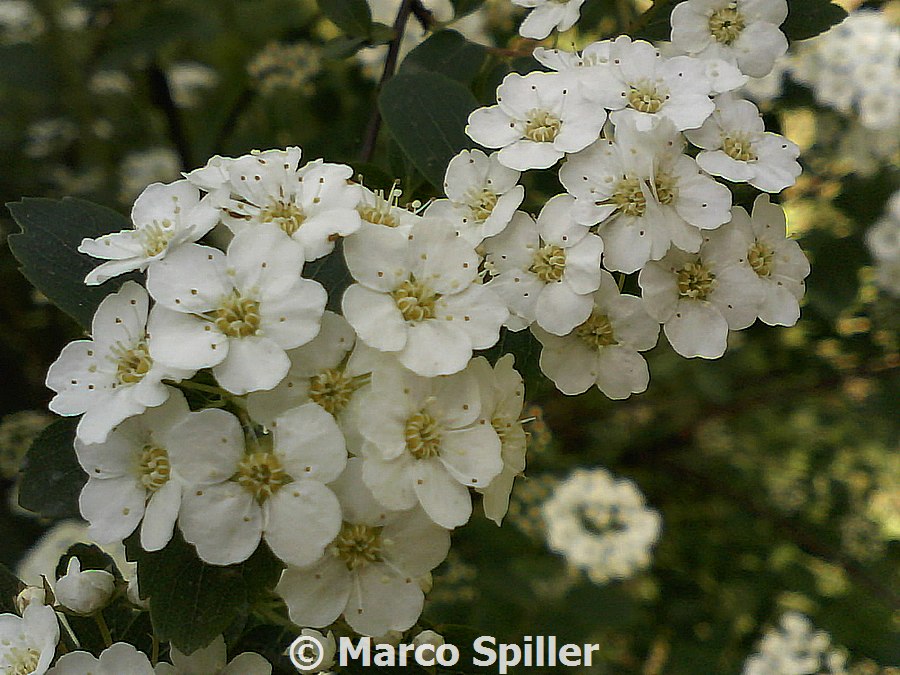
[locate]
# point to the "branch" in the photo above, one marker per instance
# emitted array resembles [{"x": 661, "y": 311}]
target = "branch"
[
  {"x": 424, "y": 15},
  {"x": 390, "y": 65}
]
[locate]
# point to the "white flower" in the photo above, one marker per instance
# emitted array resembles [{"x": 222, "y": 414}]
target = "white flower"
[
  {"x": 130, "y": 478},
  {"x": 483, "y": 195},
  {"x": 779, "y": 263},
  {"x": 119, "y": 659},
  {"x": 740, "y": 31},
  {"x": 538, "y": 118},
  {"x": 602, "y": 351},
  {"x": 795, "y": 648},
  {"x": 883, "y": 241},
  {"x": 502, "y": 394},
  {"x": 547, "y": 15},
  {"x": 545, "y": 271},
  {"x": 28, "y": 643},
  {"x": 164, "y": 217},
  {"x": 737, "y": 146},
  {"x": 601, "y": 524},
  {"x": 213, "y": 660},
  {"x": 377, "y": 209},
  {"x": 114, "y": 375},
  {"x": 314, "y": 204},
  {"x": 646, "y": 194},
  {"x": 328, "y": 648},
  {"x": 700, "y": 296},
  {"x": 646, "y": 85},
  {"x": 369, "y": 572},
  {"x": 428, "y": 637},
  {"x": 427, "y": 443},
  {"x": 236, "y": 313},
  {"x": 419, "y": 297},
  {"x": 84, "y": 592},
  {"x": 29, "y": 595},
  {"x": 274, "y": 490}
]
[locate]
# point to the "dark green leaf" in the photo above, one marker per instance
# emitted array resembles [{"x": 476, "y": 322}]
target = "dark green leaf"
[
  {"x": 448, "y": 53},
  {"x": 47, "y": 250},
  {"x": 808, "y": 18},
  {"x": 9, "y": 589},
  {"x": 463, "y": 7},
  {"x": 343, "y": 46},
  {"x": 426, "y": 114},
  {"x": 91, "y": 557},
  {"x": 351, "y": 16},
  {"x": 380, "y": 34},
  {"x": 654, "y": 23},
  {"x": 192, "y": 602},
  {"x": 52, "y": 478}
]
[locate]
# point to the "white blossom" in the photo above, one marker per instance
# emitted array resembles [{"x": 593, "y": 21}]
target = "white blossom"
[
  {"x": 164, "y": 217},
  {"x": 547, "y": 15},
  {"x": 883, "y": 241},
  {"x": 646, "y": 194},
  {"x": 419, "y": 297},
  {"x": 483, "y": 195},
  {"x": 545, "y": 270},
  {"x": 795, "y": 648},
  {"x": 213, "y": 660},
  {"x": 236, "y": 312},
  {"x": 314, "y": 204},
  {"x": 502, "y": 394},
  {"x": 538, "y": 118},
  {"x": 737, "y": 146},
  {"x": 119, "y": 659},
  {"x": 273, "y": 489},
  {"x": 699, "y": 297},
  {"x": 116, "y": 374},
  {"x": 739, "y": 31},
  {"x": 28, "y": 642},
  {"x": 84, "y": 592},
  {"x": 379, "y": 209},
  {"x": 601, "y": 524},
  {"x": 779, "y": 263},
  {"x": 369, "y": 571},
  {"x": 131, "y": 478},
  {"x": 427, "y": 443},
  {"x": 604, "y": 350}
]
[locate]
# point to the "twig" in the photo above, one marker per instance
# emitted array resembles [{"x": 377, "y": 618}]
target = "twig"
[
  {"x": 161, "y": 97},
  {"x": 390, "y": 65},
  {"x": 424, "y": 15}
]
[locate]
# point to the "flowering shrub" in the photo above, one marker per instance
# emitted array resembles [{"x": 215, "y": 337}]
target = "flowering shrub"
[{"x": 299, "y": 382}]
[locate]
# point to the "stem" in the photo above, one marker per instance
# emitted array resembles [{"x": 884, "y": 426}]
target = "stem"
[
  {"x": 390, "y": 65},
  {"x": 161, "y": 96},
  {"x": 104, "y": 629},
  {"x": 197, "y": 386},
  {"x": 154, "y": 650},
  {"x": 424, "y": 15}
]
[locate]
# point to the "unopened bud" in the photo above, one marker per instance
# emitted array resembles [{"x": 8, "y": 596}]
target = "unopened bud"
[
  {"x": 84, "y": 592},
  {"x": 29, "y": 595}
]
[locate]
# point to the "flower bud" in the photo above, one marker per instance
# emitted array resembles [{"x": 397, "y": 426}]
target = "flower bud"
[
  {"x": 84, "y": 592},
  {"x": 428, "y": 637},
  {"x": 29, "y": 595},
  {"x": 133, "y": 593}
]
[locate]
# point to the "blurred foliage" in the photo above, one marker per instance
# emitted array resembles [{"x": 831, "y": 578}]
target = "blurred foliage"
[{"x": 775, "y": 468}]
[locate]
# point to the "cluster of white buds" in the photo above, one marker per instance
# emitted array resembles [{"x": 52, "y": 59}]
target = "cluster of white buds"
[{"x": 796, "y": 647}]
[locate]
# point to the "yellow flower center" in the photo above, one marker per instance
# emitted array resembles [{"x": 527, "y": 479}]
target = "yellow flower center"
[
  {"x": 542, "y": 126},
  {"x": 597, "y": 331},
  {"x": 22, "y": 660},
  {"x": 357, "y": 545},
  {"x": 647, "y": 97},
  {"x": 423, "y": 436},
  {"x": 156, "y": 236},
  {"x": 415, "y": 300},
  {"x": 237, "y": 316},
  {"x": 760, "y": 256},
  {"x": 549, "y": 263},
  {"x": 666, "y": 188},
  {"x": 132, "y": 364},
  {"x": 155, "y": 468},
  {"x": 629, "y": 197},
  {"x": 482, "y": 203},
  {"x": 332, "y": 389},
  {"x": 726, "y": 24},
  {"x": 261, "y": 474},
  {"x": 695, "y": 281},
  {"x": 287, "y": 215},
  {"x": 739, "y": 148}
]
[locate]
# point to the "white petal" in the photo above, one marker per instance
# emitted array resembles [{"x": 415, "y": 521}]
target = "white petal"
[
  {"x": 317, "y": 595},
  {"x": 375, "y": 318},
  {"x": 381, "y": 601},
  {"x": 697, "y": 329},
  {"x": 223, "y": 521},
  {"x": 252, "y": 363},
  {"x": 309, "y": 443},
  {"x": 113, "y": 506},
  {"x": 446, "y": 501},
  {"x": 301, "y": 519}
]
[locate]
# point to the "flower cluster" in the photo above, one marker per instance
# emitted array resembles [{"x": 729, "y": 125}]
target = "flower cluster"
[
  {"x": 224, "y": 400},
  {"x": 601, "y": 524},
  {"x": 620, "y": 114},
  {"x": 883, "y": 240},
  {"x": 796, "y": 647}
]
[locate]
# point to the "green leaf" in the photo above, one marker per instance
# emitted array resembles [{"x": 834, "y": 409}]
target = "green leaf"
[
  {"x": 52, "y": 478},
  {"x": 654, "y": 24},
  {"x": 47, "y": 250},
  {"x": 9, "y": 589},
  {"x": 343, "y": 46},
  {"x": 351, "y": 16},
  {"x": 426, "y": 114},
  {"x": 91, "y": 557},
  {"x": 192, "y": 602},
  {"x": 448, "y": 53},
  {"x": 380, "y": 34},
  {"x": 463, "y": 7},
  {"x": 808, "y": 18}
]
